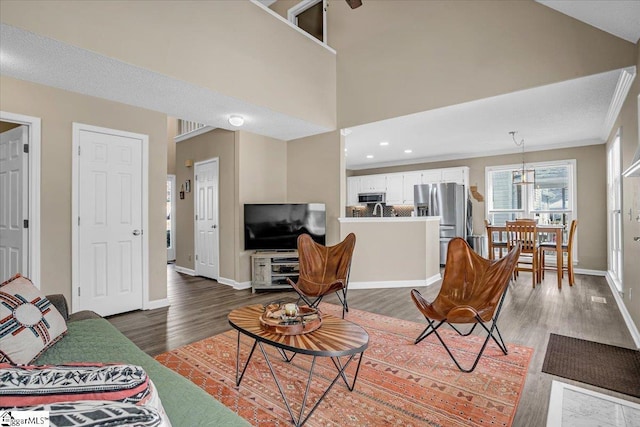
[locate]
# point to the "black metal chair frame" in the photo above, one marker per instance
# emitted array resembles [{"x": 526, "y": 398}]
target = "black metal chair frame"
[
  {"x": 490, "y": 334},
  {"x": 316, "y": 302}
]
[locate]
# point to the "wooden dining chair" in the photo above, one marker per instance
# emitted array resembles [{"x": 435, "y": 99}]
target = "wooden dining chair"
[
  {"x": 566, "y": 248},
  {"x": 525, "y": 233},
  {"x": 499, "y": 244}
]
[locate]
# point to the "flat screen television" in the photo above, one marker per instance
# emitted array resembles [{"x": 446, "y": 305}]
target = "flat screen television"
[{"x": 276, "y": 226}]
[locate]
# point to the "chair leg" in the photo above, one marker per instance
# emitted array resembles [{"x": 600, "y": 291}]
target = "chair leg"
[
  {"x": 428, "y": 330},
  {"x": 343, "y": 301},
  {"x": 490, "y": 335}
]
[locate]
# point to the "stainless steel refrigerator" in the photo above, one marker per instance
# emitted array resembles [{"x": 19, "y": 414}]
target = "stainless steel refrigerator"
[{"x": 449, "y": 202}]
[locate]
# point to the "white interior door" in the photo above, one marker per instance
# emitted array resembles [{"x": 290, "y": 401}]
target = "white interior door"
[
  {"x": 14, "y": 209},
  {"x": 614, "y": 207},
  {"x": 207, "y": 231},
  {"x": 109, "y": 255},
  {"x": 171, "y": 217}
]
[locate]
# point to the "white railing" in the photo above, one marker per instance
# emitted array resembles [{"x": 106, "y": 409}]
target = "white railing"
[
  {"x": 188, "y": 129},
  {"x": 186, "y": 126}
]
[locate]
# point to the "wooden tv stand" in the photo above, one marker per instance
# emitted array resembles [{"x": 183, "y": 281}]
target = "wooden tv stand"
[{"x": 270, "y": 270}]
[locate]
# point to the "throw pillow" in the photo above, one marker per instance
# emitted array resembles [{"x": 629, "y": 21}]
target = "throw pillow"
[
  {"x": 29, "y": 323},
  {"x": 22, "y": 386},
  {"x": 99, "y": 413}
]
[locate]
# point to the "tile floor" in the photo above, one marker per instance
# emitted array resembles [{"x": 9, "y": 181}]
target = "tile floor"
[{"x": 572, "y": 406}]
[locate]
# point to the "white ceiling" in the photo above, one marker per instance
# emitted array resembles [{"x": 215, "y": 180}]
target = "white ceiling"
[
  {"x": 28, "y": 56},
  {"x": 618, "y": 17},
  {"x": 571, "y": 113}
]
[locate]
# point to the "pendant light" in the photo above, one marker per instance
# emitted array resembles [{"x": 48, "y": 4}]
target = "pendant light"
[{"x": 522, "y": 176}]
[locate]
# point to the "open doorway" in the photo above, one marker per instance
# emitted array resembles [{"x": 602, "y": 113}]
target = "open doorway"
[
  {"x": 19, "y": 196},
  {"x": 310, "y": 16}
]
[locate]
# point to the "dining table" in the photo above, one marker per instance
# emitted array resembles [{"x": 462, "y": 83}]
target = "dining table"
[{"x": 555, "y": 229}]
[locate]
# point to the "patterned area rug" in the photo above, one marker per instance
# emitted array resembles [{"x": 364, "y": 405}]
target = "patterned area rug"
[{"x": 399, "y": 383}]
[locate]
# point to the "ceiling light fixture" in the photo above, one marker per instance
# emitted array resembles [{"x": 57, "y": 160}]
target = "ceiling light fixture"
[
  {"x": 408, "y": 151},
  {"x": 384, "y": 143},
  {"x": 522, "y": 176},
  {"x": 236, "y": 121},
  {"x": 369, "y": 156}
]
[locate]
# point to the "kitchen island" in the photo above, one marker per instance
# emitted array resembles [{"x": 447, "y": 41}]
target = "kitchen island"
[{"x": 393, "y": 252}]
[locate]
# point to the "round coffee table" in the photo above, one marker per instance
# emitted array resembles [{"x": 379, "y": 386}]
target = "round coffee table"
[{"x": 336, "y": 338}]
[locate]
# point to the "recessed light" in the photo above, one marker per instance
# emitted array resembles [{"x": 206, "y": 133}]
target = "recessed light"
[
  {"x": 236, "y": 121},
  {"x": 384, "y": 143},
  {"x": 369, "y": 156},
  {"x": 408, "y": 151}
]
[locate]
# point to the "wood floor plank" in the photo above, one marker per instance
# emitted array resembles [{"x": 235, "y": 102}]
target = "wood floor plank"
[{"x": 199, "y": 309}]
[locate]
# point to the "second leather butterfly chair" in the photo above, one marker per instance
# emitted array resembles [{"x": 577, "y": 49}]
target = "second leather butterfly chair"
[
  {"x": 472, "y": 292},
  {"x": 323, "y": 270}
]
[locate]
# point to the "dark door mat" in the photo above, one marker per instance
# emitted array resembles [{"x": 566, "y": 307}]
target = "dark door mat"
[{"x": 601, "y": 365}]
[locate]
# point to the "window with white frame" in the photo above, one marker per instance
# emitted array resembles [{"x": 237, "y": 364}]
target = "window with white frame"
[{"x": 550, "y": 200}]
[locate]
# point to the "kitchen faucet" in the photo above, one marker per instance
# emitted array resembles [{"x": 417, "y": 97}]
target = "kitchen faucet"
[{"x": 375, "y": 208}]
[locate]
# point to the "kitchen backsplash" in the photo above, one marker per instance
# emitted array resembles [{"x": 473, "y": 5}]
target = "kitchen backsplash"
[{"x": 367, "y": 211}]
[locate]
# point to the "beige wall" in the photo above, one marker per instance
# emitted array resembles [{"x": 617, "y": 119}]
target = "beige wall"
[
  {"x": 58, "y": 109},
  {"x": 190, "y": 40},
  {"x": 313, "y": 175},
  {"x": 392, "y": 250},
  {"x": 400, "y": 57},
  {"x": 219, "y": 144},
  {"x": 262, "y": 178},
  {"x": 172, "y": 131},
  {"x": 630, "y": 142},
  {"x": 591, "y": 197}
]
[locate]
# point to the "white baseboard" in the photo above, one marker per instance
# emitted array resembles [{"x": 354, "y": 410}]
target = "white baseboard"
[
  {"x": 394, "y": 283},
  {"x": 590, "y": 272},
  {"x": 633, "y": 330},
  {"x": 235, "y": 285},
  {"x": 185, "y": 270},
  {"x": 158, "y": 303}
]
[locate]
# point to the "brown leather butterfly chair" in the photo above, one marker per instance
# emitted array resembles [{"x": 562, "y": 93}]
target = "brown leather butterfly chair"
[
  {"x": 473, "y": 290},
  {"x": 323, "y": 269}
]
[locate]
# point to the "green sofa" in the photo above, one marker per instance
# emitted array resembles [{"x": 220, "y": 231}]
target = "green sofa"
[{"x": 90, "y": 338}]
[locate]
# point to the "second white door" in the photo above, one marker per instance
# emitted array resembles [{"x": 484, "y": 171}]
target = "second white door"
[
  {"x": 206, "y": 218},
  {"x": 13, "y": 203},
  {"x": 110, "y": 250}
]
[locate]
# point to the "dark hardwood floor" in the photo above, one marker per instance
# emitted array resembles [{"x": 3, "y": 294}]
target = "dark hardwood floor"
[{"x": 199, "y": 309}]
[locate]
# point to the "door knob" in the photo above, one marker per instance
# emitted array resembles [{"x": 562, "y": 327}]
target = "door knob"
[
  {"x": 214, "y": 226},
  {"x": 136, "y": 232}
]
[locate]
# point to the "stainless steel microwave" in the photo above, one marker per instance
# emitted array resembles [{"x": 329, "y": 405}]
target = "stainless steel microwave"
[{"x": 372, "y": 197}]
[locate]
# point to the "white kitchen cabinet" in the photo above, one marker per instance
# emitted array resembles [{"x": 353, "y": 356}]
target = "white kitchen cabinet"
[
  {"x": 353, "y": 188},
  {"x": 410, "y": 179},
  {"x": 432, "y": 176},
  {"x": 395, "y": 193},
  {"x": 399, "y": 186},
  {"x": 459, "y": 175},
  {"x": 373, "y": 183},
  {"x": 456, "y": 175}
]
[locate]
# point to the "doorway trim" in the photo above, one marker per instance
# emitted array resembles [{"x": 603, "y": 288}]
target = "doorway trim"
[
  {"x": 75, "y": 197},
  {"x": 215, "y": 160},
  {"x": 34, "y": 127}
]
